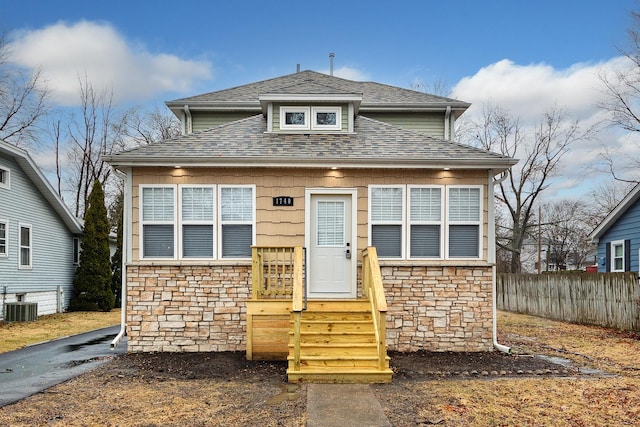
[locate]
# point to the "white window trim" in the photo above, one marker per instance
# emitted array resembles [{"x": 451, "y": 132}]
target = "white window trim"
[
  {"x": 182, "y": 222},
  {"x": 6, "y": 183},
  {"x": 444, "y": 224},
  {"x": 5, "y": 254},
  {"x": 221, "y": 222},
  {"x": 294, "y": 109},
  {"x": 20, "y": 247},
  {"x": 402, "y": 223},
  {"x": 478, "y": 222},
  {"x": 75, "y": 248},
  {"x": 439, "y": 223},
  {"x": 337, "y": 110},
  {"x": 142, "y": 222},
  {"x": 612, "y": 261}
]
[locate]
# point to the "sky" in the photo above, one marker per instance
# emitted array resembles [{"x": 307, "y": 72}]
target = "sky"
[{"x": 526, "y": 57}]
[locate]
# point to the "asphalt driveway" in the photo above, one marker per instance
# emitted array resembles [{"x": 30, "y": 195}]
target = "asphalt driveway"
[{"x": 35, "y": 368}]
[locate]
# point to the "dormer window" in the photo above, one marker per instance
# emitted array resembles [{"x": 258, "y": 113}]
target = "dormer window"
[
  {"x": 294, "y": 118},
  {"x": 310, "y": 118}
]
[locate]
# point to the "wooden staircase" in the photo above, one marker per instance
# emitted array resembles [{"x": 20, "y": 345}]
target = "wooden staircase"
[{"x": 337, "y": 345}]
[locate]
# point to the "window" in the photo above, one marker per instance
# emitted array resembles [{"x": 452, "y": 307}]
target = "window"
[
  {"x": 386, "y": 207},
  {"x": 314, "y": 118},
  {"x": 197, "y": 207},
  {"x": 439, "y": 221},
  {"x": 294, "y": 118},
  {"x": 158, "y": 222},
  {"x": 4, "y": 250},
  {"x": 617, "y": 256},
  {"x": 236, "y": 221},
  {"x": 464, "y": 217},
  {"x": 328, "y": 118},
  {"x": 425, "y": 222},
  {"x": 4, "y": 177},
  {"x": 76, "y": 251},
  {"x": 25, "y": 240}
]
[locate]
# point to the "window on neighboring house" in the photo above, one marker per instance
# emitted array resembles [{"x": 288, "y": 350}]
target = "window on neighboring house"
[
  {"x": 236, "y": 221},
  {"x": 464, "y": 216},
  {"x": 76, "y": 251},
  {"x": 4, "y": 177},
  {"x": 197, "y": 216},
  {"x": 425, "y": 222},
  {"x": 158, "y": 222},
  {"x": 386, "y": 210},
  {"x": 25, "y": 240},
  {"x": 4, "y": 227},
  {"x": 617, "y": 256}
]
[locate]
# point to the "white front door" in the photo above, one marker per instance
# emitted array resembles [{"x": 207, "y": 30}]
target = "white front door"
[{"x": 331, "y": 254}]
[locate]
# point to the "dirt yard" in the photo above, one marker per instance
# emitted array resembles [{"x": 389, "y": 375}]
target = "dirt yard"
[{"x": 601, "y": 386}]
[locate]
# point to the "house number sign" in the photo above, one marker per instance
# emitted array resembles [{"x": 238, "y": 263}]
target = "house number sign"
[{"x": 283, "y": 201}]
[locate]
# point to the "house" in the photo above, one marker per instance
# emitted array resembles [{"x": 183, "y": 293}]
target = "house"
[
  {"x": 618, "y": 236},
  {"x": 296, "y": 211},
  {"x": 39, "y": 237}
]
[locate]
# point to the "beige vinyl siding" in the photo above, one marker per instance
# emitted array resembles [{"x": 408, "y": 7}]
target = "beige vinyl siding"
[
  {"x": 202, "y": 120},
  {"x": 429, "y": 123},
  {"x": 284, "y": 226},
  {"x": 275, "y": 120}
]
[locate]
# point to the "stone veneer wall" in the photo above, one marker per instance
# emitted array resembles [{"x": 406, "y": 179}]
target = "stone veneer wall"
[
  {"x": 439, "y": 308},
  {"x": 202, "y": 308},
  {"x": 187, "y": 308}
]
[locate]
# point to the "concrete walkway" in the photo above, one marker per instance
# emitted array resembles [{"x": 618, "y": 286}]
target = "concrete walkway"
[{"x": 343, "y": 405}]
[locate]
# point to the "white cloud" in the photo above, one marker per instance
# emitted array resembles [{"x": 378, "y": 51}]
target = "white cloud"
[
  {"x": 348, "y": 73},
  {"x": 66, "y": 53},
  {"x": 529, "y": 91}
]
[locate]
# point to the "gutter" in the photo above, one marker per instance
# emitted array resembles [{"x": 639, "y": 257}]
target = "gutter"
[
  {"x": 188, "y": 124},
  {"x": 125, "y": 257},
  {"x": 447, "y": 124},
  {"x": 491, "y": 255}
]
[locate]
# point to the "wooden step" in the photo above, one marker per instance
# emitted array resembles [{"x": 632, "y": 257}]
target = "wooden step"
[{"x": 332, "y": 374}]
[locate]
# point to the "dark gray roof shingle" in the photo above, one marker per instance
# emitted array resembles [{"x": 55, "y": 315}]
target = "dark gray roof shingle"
[{"x": 245, "y": 142}]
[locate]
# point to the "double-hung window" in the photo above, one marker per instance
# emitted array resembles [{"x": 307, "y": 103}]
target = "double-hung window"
[
  {"x": 425, "y": 222},
  {"x": 464, "y": 215},
  {"x": 25, "y": 240},
  {"x": 158, "y": 222},
  {"x": 386, "y": 210},
  {"x": 4, "y": 231},
  {"x": 617, "y": 256},
  {"x": 197, "y": 215},
  {"x": 4, "y": 177},
  {"x": 237, "y": 213}
]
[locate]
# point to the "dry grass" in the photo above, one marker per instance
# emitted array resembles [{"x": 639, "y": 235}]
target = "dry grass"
[
  {"x": 107, "y": 397},
  {"x": 15, "y": 335}
]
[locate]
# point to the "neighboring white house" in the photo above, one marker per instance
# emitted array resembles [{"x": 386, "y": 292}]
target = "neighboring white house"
[{"x": 39, "y": 236}]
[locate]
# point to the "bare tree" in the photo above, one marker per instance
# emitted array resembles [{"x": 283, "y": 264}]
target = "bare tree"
[
  {"x": 539, "y": 149},
  {"x": 23, "y": 100},
  {"x": 96, "y": 131},
  {"x": 566, "y": 227},
  {"x": 622, "y": 102},
  {"x": 439, "y": 87},
  {"x": 146, "y": 127}
]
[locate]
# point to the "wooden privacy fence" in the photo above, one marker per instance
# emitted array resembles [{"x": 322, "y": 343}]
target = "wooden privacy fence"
[{"x": 606, "y": 299}]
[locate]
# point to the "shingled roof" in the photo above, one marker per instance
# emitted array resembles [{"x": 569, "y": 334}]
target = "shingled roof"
[
  {"x": 374, "y": 95},
  {"x": 245, "y": 143}
]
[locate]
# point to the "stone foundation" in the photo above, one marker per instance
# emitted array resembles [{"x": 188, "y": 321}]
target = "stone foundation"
[
  {"x": 203, "y": 308},
  {"x": 439, "y": 308}
]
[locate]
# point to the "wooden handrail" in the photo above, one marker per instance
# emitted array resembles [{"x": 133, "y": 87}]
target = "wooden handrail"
[{"x": 374, "y": 291}]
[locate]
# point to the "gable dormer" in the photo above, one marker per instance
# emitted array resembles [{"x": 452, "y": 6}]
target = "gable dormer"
[{"x": 310, "y": 108}]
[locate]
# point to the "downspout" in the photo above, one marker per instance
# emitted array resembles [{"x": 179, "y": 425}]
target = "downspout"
[
  {"x": 188, "y": 124},
  {"x": 491, "y": 255},
  {"x": 125, "y": 257},
  {"x": 447, "y": 124}
]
